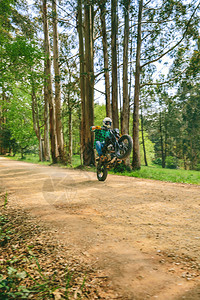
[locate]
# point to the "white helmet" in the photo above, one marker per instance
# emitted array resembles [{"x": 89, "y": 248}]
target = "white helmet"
[{"x": 107, "y": 122}]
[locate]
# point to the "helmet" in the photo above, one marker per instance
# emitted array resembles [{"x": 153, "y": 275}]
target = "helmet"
[{"x": 107, "y": 122}]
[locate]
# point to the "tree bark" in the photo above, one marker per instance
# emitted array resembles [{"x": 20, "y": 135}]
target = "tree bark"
[
  {"x": 59, "y": 132},
  {"x": 46, "y": 126},
  {"x": 114, "y": 26},
  {"x": 162, "y": 141},
  {"x": 70, "y": 136},
  {"x": 3, "y": 110},
  {"x": 126, "y": 107},
  {"x": 88, "y": 155},
  {"x": 82, "y": 75},
  {"x": 48, "y": 86},
  {"x": 102, "y": 5},
  {"x": 36, "y": 123},
  {"x": 143, "y": 140},
  {"x": 136, "y": 164}
]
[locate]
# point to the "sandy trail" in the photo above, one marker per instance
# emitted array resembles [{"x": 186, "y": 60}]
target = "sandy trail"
[{"x": 143, "y": 235}]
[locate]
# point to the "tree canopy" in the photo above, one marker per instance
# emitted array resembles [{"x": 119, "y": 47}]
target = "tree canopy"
[{"x": 67, "y": 64}]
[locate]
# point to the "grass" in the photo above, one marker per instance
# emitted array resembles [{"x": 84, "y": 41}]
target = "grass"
[
  {"x": 152, "y": 172},
  {"x": 32, "y": 158},
  {"x": 170, "y": 175}
]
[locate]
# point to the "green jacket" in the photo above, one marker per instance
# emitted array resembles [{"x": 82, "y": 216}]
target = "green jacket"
[{"x": 101, "y": 135}]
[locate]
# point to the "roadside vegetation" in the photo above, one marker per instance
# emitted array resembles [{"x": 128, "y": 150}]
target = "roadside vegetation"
[
  {"x": 158, "y": 173},
  {"x": 154, "y": 171}
]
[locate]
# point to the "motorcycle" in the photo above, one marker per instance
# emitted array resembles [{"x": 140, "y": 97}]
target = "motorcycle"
[{"x": 115, "y": 149}]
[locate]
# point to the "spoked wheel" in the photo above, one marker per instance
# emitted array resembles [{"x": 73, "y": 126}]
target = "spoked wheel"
[
  {"x": 102, "y": 172},
  {"x": 125, "y": 146}
]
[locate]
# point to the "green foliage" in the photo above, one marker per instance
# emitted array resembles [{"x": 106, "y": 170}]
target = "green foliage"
[
  {"x": 5, "y": 200},
  {"x": 170, "y": 175},
  {"x": 149, "y": 147},
  {"x": 121, "y": 168},
  {"x": 157, "y": 161},
  {"x": 5, "y": 24},
  {"x": 32, "y": 158},
  {"x": 171, "y": 162},
  {"x": 197, "y": 167},
  {"x": 99, "y": 114},
  {"x": 19, "y": 120},
  {"x": 4, "y": 231},
  {"x": 24, "y": 55},
  {"x": 10, "y": 287},
  {"x": 175, "y": 121},
  {"x": 6, "y": 140}
]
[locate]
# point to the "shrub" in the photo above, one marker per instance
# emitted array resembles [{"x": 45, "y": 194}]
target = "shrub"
[
  {"x": 171, "y": 162},
  {"x": 158, "y": 161},
  {"x": 197, "y": 167},
  {"x": 121, "y": 168}
]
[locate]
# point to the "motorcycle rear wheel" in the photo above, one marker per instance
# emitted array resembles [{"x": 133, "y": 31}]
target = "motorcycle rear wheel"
[
  {"x": 102, "y": 172},
  {"x": 125, "y": 146}
]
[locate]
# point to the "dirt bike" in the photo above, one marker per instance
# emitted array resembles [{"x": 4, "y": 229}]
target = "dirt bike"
[{"x": 115, "y": 149}]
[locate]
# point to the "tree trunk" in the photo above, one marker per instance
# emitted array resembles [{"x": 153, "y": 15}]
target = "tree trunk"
[
  {"x": 114, "y": 26},
  {"x": 161, "y": 141},
  {"x": 102, "y": 5},
  {"x": 46, "y": 126},
  {"x": 130, "y": 74},
  {"x": 2, "y": 120},
  {"x": 125, "y": 110},
  {"x": 88, "y": 155},
  {"x": 120, "y": 95},
  {"x": 48, "y": 84},
  {"x": 59, "y": 132},
  {"x": 82, "y": 76},
  {"x": 143, "y": 141},
  {"x": 70, "y": 137},
  {"x": 36, "y": 125},
  {"x": 136, "y": 164}
]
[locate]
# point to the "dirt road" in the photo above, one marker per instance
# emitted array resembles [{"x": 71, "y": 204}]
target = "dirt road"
[{"x": 143, "y": 235}]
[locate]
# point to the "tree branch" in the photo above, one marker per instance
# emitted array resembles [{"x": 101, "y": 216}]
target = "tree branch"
[
  {"x": 99, "y": 91},
  {"x": 163, "y": 82},
  {"x": 172, "y": 48}
]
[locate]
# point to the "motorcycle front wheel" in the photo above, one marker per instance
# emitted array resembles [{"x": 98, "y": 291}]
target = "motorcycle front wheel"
[
  {"x": 102, "y": 172},
  {"x": 125, "y": 146}
]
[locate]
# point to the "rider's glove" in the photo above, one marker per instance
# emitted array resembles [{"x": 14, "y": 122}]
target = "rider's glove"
[{"x": 92, "y": 128}]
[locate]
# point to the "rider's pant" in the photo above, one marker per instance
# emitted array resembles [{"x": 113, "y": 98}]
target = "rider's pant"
[{"x": 99, "y": 147}]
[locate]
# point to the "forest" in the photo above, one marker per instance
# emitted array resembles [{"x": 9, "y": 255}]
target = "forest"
[{"x": 65, "y": 65}]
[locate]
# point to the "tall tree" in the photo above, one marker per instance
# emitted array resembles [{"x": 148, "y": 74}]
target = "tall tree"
[
  {"x": 102, "y": 5},
  {"x": 82, "y": 74},
  {"x": 59, "y": 132},
  {"x": 136, "y": 145},
  {"x": 48, "y": 92},
  {"x": 36, "y": 121},
  {"x": 126, "y": 106},
  {"x": 114, "y": 27},
  {"x": 88, "y": 155}
]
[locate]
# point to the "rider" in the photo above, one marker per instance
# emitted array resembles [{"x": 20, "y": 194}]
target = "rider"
[{"x": 101, "y": 133}]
